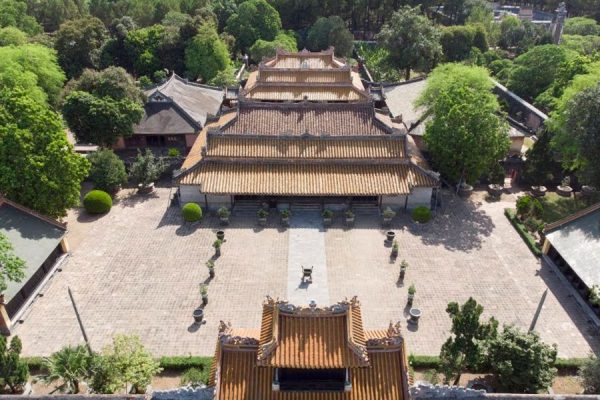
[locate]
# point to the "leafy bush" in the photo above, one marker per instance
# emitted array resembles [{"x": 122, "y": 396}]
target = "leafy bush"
[
  {"x": 13, "y": 369},
  {"x": 194, "y": 377},
  {"x": 327, "y": 213},
  {"x": 389, "y": 213},
  {"x": 417, "y": 361},
  {"x": 262, "y": 213},
  {"x": 525, "y": 235},
  {"x": 97, "y": 202},
  {"x": 421, "y": 214},
  {"x": 223, "y": 212},
  {"x": 146, "y": 168},
  {"x": 521, "y": 362},
  {"x": 590, "y": 375},
  {"x": 173, "y": 152},
  {"x": 191, "y": 212},
  {"x": 528, "y": 206},
  {"x": 534, "y": 225},
  {"x": 107, "y": 170},
  {"x": 70, "y": 365},
  {"x": 179, "y": 363}
]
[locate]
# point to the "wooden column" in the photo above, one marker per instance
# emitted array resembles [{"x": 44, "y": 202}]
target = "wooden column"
[{"x": 4, "y": 320}]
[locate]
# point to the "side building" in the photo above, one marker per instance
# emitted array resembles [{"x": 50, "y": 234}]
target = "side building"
[
  {"x": 323, "y": 148},
  {"x": 174, "y": 113},
  {"x": 306, "y": 353},
  {"x": 37, "y": 240}
]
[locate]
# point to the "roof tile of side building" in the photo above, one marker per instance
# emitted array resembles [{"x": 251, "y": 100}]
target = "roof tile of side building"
[
  {"x": 400, "y": 99},
  {"x": 306, "y": 118},
  {"x": 198, "y": 101},
  {"x": 304, "y": 59}
]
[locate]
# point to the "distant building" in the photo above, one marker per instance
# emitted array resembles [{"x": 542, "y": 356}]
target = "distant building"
[
  {"x": 40, "y": 242},
  {"x": 306, "y": 353},
  {"x": 297, "y": 137},
  {"x": 174, "y": 114}
]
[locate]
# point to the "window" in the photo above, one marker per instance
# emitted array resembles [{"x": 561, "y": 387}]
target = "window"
[{"x": 311, "y": 380}]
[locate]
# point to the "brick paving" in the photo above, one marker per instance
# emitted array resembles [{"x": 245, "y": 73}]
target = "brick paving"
[{"x": 137, "y": 270}]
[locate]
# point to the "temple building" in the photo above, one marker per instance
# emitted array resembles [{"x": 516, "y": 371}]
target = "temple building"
[
  {"x": 174, "y": 113},
  {"x": 310, "y": 353},
  {"x": 305, "y": 130}
]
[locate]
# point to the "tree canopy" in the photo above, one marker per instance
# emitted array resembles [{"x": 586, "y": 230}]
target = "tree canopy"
[
  {"x": 14, "y": 13},
  {"x": 52, "y": 13},
  {"x": 102, "y": 106},
  {"x": 34, "y": 69},
  {"x": 38, "y": 167},
  {"x": 581, "y": 26},
  {"x": 330, "y": 31},
  {"x": 457, "y": 41},
  {"x": 465, "y": 134},
  {"x": 411, "y": 40},
  {"x": 11, "y": 36},
  {"x": 254, "y": 19},
  {"x": 263, "y": 49},
  {"x": 206, "y": 54},
  {"x": 78, "y": 43}
]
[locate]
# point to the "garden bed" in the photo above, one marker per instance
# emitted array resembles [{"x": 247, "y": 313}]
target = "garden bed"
[
  {"x": 523, "y": 232},
  {"x": 557, "y": 207}
]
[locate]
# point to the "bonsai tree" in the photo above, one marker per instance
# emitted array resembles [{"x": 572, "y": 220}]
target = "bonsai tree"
[
  {"x": 395, "y": 249},
  {"x": 107, "y": 170},
  {"x": 403, "y": 265},
  {"x": 210, "y": 264},
  {"x": 146, "y": 168},
  {"x": 388, "y": 214},
  {"x": 262, "y": 214},
  {"x": 223, "y": 214},
  {"x": 217, "y": 245},
  {"x": 13, "y": 370},
  {"x": 411, "y": 293},
  {"x": 204, "y": 293},
  {"x": 349, "y": 214},
  {"x": 285, "y": 213},
  {"x": 327, "y": 214}
]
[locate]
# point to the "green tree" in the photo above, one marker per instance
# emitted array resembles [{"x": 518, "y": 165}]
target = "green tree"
[
  {"x": 206, "y": 54},
  {"x": 102, "y": 106},
  {"x": 12, "y": 270},
  {"x": 412, "y": 41},
  {"x": 14, "y": 13},
  {"x": 589, "y": 373},
  {"x": 262, "y": 49},
  {"x": 141, "y": 46},
  {"x": 107, "y": 170},
  {"x": 534, "y": 71},
  {"x": 225, "y": 78},
  {"x": 146, "y": 168},
  {"x": 467, "y": 346},
  {"x": 38, "y": 167},
  {"x": 541, "y": 165},
  {"x": 465, "y": 135},
  {"x": 11, "y": 36},
  {"x": 52, "y": 13},
  {"x": 131, "y": 362},
  {"x": 13, "y": 370},
  {"x": 578, "y": 135},
  {"x": 330, "y": 31},
  {"x": 584, "y": 45},
  {"x": 581, "y": 26},
  {"x": 34, "y": 69},
  {"x": 512, "y": 32},
  {"x": 521, "y": 362},
  {"x": 457, "y": 41},
  {"x": 69, "y": 365},
  {"x": 254, "y": 19},
  {"x": 78, "y": 44}
]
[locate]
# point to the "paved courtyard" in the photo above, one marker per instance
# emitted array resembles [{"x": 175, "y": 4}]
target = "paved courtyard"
[{"x": 137, "y": 271}]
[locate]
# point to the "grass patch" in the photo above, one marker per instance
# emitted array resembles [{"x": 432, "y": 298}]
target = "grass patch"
[
  {"x": 523, "y": 232},
  {"x": 557, "y": 207}
]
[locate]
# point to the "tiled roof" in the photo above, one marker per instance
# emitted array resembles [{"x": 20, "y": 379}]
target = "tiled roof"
[
  {"x": 273, "y": 75},
  {"x": 306, "y": 118},
  {"x": 234, "y": 146},
  {"x": 307, "y": 179},
  {"x": 304, "y": 59},
  {"x": 165, "y": 118},
  {"x": 307, "y": 337},
  {"x": 304, "y": 92},
  {"x": 195, "y": 154},
  {"x": 198, "y": 101},
  {"x": 400, "y": 99}
]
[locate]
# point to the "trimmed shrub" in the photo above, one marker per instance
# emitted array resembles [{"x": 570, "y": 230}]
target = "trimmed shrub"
[
  {"x": 97, "y": 202},
  {"x": 525, "y": 235},
  {"x": 421, "y": 214},
  {"x": 191, "y": 212}
]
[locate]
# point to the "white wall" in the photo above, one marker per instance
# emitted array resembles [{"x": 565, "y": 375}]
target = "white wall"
[
  {"x": 191, "y": 194},
  {"x": 419, "y": 197},
  {"x": 396, "y": 203}
]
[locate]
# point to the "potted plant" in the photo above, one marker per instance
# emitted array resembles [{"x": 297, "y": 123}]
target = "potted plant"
[
  {"x": 588, "y": 190},
  {"x": 539, "y": 191},
  {"x": 565, "y": 189},
  {"x": 395, "y": 249},
  {"x": 403, "y": 266},
  {"x": 198, "y": 314},
  {"x": 411, "y": 293},
  {"x": 388, "y": 215},
  {"x": 204, "y": 293},
  {"x": 221, "y": 235},
  {"x": 262, "y": 216},
  {"x": 217, "y": 245},
  {"x": 224, "y": 214},
  {"x": 327, "y": 216},
  {"x": 349, "y": 217},
  {"x": 390, "y": 236},
  {"x": 285, "y": 216},
  {"x": 146, "y": 169},
  {"x": 464, "y": 189},
  {"x": 210, "y": 264}
]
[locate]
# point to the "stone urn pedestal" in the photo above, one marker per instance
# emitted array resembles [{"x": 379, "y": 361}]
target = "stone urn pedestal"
[{"x": 414, "y": 315}]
